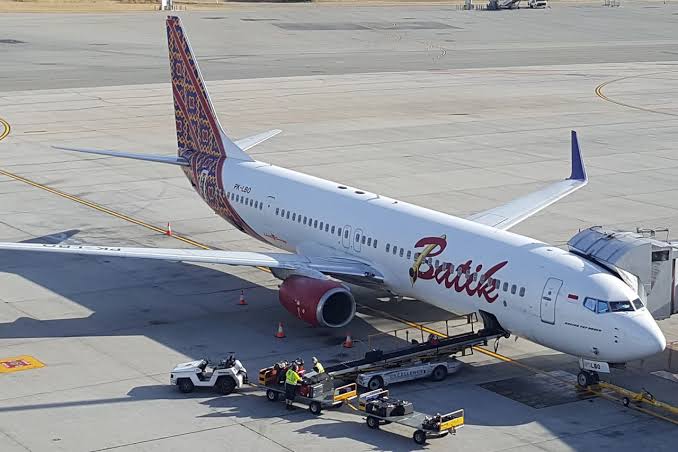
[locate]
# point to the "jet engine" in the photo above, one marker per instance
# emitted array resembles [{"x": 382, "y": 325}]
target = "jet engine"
[{"x": 319, "y": 302}]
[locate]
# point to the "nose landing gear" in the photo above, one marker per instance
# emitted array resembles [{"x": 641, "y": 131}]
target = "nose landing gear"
[{"x": 587, "y": 378}]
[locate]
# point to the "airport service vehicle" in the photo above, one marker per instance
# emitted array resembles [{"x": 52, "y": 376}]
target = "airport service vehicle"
[
  {"x": 316, "y": 391},
  {"x": 333, "y": 234},
  {"x": 380, "y": 410},
  {"x": 537, "y": 3},
  {"x": 436, "y": 370},
  {"x": 226, "y": 376}
]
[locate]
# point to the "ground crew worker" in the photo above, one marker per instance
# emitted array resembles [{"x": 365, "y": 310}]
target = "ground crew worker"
[
  {"x": 291, "y": 380},
  {"x": 317, "y": 367}
]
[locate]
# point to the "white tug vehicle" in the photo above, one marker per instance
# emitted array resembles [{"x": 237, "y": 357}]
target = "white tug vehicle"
[{"x": 226, "y": 376}]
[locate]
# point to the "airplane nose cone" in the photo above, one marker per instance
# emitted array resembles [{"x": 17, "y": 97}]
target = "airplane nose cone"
[{"x": 648, "y": 339}]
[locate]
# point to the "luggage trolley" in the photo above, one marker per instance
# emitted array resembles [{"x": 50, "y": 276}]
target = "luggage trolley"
[
  {"x": 315, "y": 394},
  {"x": 425, "y": 426}
]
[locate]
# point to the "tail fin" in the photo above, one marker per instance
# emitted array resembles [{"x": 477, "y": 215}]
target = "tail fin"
[{"x": 198, "y": 128}]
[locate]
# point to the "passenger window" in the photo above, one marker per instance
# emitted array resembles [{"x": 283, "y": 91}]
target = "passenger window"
[
  {"x": 369, "y": 241},
  {"x": 395, "y": 250},
  {"x": 251, "y": 202},
  {"x": 363, "y": 240},
  {"x": 401, "y": 252},
  {"x": 294, "y": 217},
  {"x": 288, "y": 215},
  {"x": 315, "y": 224},
  {"x": 261, "y": 205},
  {"x": 321, "y": 225},
  {"x": 590, "y": 304},
  {"x": 437, "y": 263},
  {"x": 299, "y": 218},
  {"x": 357, "y": 238},
  {"x": 522, "y": 292},
  {"x": 375, "y": 243},
  {"x": 327, "y": 227},
  {"x": 277, "y": 211},
  {"x": 513, "y": 289},
  {"x": 388, "y": 247},
  {"x": 339, "y": 232},
  {"x": 409, "y": 254},
  {"x": 346, "y": 234},
  {"x": 602, "y": 306},
  {"x": 505, "y": 287},
  {"x": 256, "y": 204},
  {"x": 332, "y": 231},
  {"x": 304, "y": 220}
]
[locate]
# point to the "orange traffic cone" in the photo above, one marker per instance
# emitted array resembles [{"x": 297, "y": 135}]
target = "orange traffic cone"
[
  {"x": 242, "y": 301},
  {"x": 280, "y": 334},
  {"x": 169, "y": 230},
  {"x": 348, "y": 343}
]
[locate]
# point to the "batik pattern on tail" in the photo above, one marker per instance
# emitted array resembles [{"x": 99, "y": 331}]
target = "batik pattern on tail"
[
  {"x": 197, "y": 127},
  {"x": 199, "y": 136}
]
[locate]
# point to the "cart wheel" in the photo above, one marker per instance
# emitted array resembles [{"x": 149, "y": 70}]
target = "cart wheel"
[
  {"x": 271, "y": 395},
  {"x": 185, "y": 385},
  {"x": 439, "y": 373},
  {"x": 419, "y": 437},
  {"x": 375, "y": 382},
  {"x": 372, "y": 422},
  {"x": 626, "y": 401},
  {"x": 315, "y": 408},
  {"x": 225, "y": 385}
]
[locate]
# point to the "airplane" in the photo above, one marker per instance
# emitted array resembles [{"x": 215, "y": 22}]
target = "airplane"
[{"x": 333, "y": 234}]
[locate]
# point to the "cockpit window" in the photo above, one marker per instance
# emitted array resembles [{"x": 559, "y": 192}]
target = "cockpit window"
[
  {"x": 601, "y": 306},
  {"x": 590, "y": 303},
  {"x": 621, "y": 306},
  {"x": 638, "y": 304}
]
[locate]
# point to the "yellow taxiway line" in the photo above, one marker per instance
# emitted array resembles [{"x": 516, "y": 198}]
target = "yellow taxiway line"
[
  {"x": 5, "y": 129},
  {"x": 599, "y": 93}
]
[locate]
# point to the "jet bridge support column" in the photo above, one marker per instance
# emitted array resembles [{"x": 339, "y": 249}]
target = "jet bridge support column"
[{"x": 646, "y": 264}]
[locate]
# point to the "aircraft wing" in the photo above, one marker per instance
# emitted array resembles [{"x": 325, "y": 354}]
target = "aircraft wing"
[
  {"x": 294, "y": 263},
  {"x": 512, "y": 213}
]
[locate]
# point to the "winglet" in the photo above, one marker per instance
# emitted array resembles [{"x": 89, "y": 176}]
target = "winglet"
[{"x": 578, "y": 170}]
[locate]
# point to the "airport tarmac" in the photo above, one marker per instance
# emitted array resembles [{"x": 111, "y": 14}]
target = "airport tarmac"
[{"x": 456, "y": 126}]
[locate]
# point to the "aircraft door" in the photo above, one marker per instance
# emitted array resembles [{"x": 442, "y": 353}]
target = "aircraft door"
[
  {"x": 346, "y": 236},
  {"x": 548, "y": 300}
]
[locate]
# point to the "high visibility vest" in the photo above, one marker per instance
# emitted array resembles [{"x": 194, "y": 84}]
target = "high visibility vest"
[
  {"x": 291, "y": 377},
  {"x": 319, "y": 368}
]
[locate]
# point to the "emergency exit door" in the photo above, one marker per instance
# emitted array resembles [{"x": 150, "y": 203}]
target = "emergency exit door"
[{"x": 548, "y": 300}]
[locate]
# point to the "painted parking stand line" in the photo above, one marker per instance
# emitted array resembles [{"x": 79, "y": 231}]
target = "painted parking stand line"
[{"x": 19, "y": 363}]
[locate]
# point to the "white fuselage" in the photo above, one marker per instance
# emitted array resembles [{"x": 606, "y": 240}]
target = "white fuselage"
[{"x": 293, "y": 206}]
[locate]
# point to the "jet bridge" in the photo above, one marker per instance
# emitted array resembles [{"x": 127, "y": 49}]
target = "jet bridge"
[{"x": 645, "y": 263}]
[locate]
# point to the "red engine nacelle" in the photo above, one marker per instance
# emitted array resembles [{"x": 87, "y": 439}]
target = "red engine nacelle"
[{"x": 317, "y": 302}]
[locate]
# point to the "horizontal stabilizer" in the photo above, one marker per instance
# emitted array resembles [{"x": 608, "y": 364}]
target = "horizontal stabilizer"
[
  {"x": 130, "y": 155},
  {"x": 250, "y": 142}
]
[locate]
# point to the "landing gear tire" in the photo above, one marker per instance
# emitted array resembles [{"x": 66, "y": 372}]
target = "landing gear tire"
[
  {"x": 372, "y": 422},
  {"x": 375, "y": 382},
  {"x": 315, "y": 408},
  {"x": 419, "y": 437},
  {"x": 586, "y": 378}
]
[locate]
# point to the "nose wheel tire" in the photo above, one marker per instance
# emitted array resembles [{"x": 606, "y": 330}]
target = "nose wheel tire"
[{"x": 586, "y": 378}]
